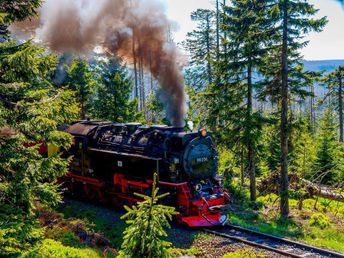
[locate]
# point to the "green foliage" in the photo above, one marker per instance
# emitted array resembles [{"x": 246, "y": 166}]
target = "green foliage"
[
  {"x": 304, "y": 151},
  {"x": 17, "y": 231},
  {"x": 248, "y": 253},
  {"x": 113, "y": 88},
  {"x": 54, "y": 249},
  {"x": 319, "y": 220},
  {"x": 63, "y": 235},
  {"x": 178, "y": 252},
  {"x": 155, "y": 109},
  {"x": 329, "y": 157},
  {"x": 227, "y": 166},
  {"x": 270, "y": 199},
  {"x": 81, "y": 81},
  {"x": 30, "y": 111},
  {"x": 146, "y": 223},
  {"x": 16, "y": 10},
  {"x": 201, "y": 45},
  {"x": 271, "y": 152},
  {"x": 334, "y": 82}
]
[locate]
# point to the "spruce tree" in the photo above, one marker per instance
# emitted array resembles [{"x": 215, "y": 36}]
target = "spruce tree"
[
  {"x": 325, "y": 166},
  {"x": 304, "y": 149},
  {"x": 201, "y": 44},
  {"x": 80, "y": 80},
  {"x": 112, "y": 91},
  {"x": 16, "y": 10},
  {"x": 292, "y": 20},
  {"x": 30, "y": 111},
  {"x": 335, "y": 81},
  {"x": 247, "y": 34},
  {"x": 146, "y": 222}
]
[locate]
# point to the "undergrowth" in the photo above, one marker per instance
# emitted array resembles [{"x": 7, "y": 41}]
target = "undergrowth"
[{"x": 319, "y": 223}]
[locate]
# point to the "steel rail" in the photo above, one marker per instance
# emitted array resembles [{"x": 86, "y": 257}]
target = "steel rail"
[
  {"x": 288, "y": 242},
  {"x": 254, "y": 244}
]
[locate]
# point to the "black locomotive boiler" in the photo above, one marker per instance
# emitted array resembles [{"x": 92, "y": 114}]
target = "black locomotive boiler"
[{"x": 113, "y": 161}]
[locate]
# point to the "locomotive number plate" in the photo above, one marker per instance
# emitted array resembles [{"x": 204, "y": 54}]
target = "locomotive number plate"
[{"x": 201, "y": 160}]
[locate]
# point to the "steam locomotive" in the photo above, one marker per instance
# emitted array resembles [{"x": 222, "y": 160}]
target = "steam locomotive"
[{"x": 111, "y": 162}]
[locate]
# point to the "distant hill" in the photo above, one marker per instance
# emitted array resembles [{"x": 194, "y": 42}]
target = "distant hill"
[
  {"x": 326, "y": 66},
  {"x": 322, "y": 65}
]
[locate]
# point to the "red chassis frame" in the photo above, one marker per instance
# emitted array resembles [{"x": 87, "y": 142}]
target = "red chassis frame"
[{"x": 196, "y": 212}]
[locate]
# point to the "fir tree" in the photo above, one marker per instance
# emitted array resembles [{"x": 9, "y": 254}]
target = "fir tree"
[
  {"x": 30, "y": 111},
  {"x": 247, "y": 33},
  {"x": 16, "y": 10},
  {"x": 113, "y": 89},
  {"x": 335, "y": 85},
  {"x": 146, "y": 223},
  {"x": 201, "y": 44},
  {"x": 325, "y": 166},
  {"x": 292, "y": 20},
  {"x": 80, "y": 80},
  {"x": 304, "y": 149}
]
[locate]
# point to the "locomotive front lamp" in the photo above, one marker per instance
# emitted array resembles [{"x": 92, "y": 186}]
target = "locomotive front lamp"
[
  {"x": 198, "y": 187},
  {"x": 223, "y": 219}
]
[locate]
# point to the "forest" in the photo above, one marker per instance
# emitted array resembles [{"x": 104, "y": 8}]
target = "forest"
[{"x": 278, "y": 128}]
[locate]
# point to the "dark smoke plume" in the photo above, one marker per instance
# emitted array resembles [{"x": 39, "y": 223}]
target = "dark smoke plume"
[{"x": 122, "y": 28}]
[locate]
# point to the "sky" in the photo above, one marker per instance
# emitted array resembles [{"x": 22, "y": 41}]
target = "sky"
[{"x": 329, "y": 44}]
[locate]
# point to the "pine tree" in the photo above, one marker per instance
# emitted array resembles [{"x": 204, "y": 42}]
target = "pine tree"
[
  {"x": 335, "y": 85},
  {"x": 304, "y": 149},
  {"x": 146, "y": 223},
  {"x": 80, "y": 80},
  {"x": 325, "y": 166},
  {"x": 30, "y": 111},
  {"x": 201, "y": 44},
  {"x": 155, "y": 109},
  {"x": 16, "y": 10},
  {"x": 246, "y": 32},
  {"x": 292, "y": 20},
  {"x": 111, "y": 100}
]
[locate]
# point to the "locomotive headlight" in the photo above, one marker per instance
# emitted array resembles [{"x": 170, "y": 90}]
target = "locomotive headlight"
[
  {"x": 223, "y": 219},
  {"x": 203, "y": 132},
  {"x": 198, "y": 187}
]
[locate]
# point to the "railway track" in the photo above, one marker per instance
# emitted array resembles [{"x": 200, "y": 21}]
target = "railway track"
[{"x": 278, "y": 245}]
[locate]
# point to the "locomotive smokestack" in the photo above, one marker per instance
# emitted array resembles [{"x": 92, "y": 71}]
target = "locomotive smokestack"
[{"x": 122, "y": 27}]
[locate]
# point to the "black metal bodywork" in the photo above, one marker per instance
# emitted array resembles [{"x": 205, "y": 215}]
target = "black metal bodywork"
[{"x": 103, "y": 148}]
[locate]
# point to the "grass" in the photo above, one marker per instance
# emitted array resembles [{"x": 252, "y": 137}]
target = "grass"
[
  {"x": 247, "y": 253},
  {"x": 108, "y": 222},
  {"x": 103, "y": 220},
  {"x": 320, "y": 223},
  {"x": 54, "y": 249}
]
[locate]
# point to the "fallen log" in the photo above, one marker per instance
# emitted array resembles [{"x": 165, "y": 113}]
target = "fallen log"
[
  {"x": 323, "y": 191},
  {"x": 296, "y": 183}
]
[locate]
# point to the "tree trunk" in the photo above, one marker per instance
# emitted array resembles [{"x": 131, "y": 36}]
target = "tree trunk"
[
  {"x": 340, "y": 106},
  {"x": 250, "y": 147},
  {"x": 83, "y": 106},
  {"x": 242, "y": 168},
  {"x": 135, "y": 73},
  {"x": 284, "y": 183},
  {"x": 151, "y": 75},
  {"x": 217, "y": 30},
  {"x": 312, "y": 110},
  {"x": 208, "y": 50}
]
